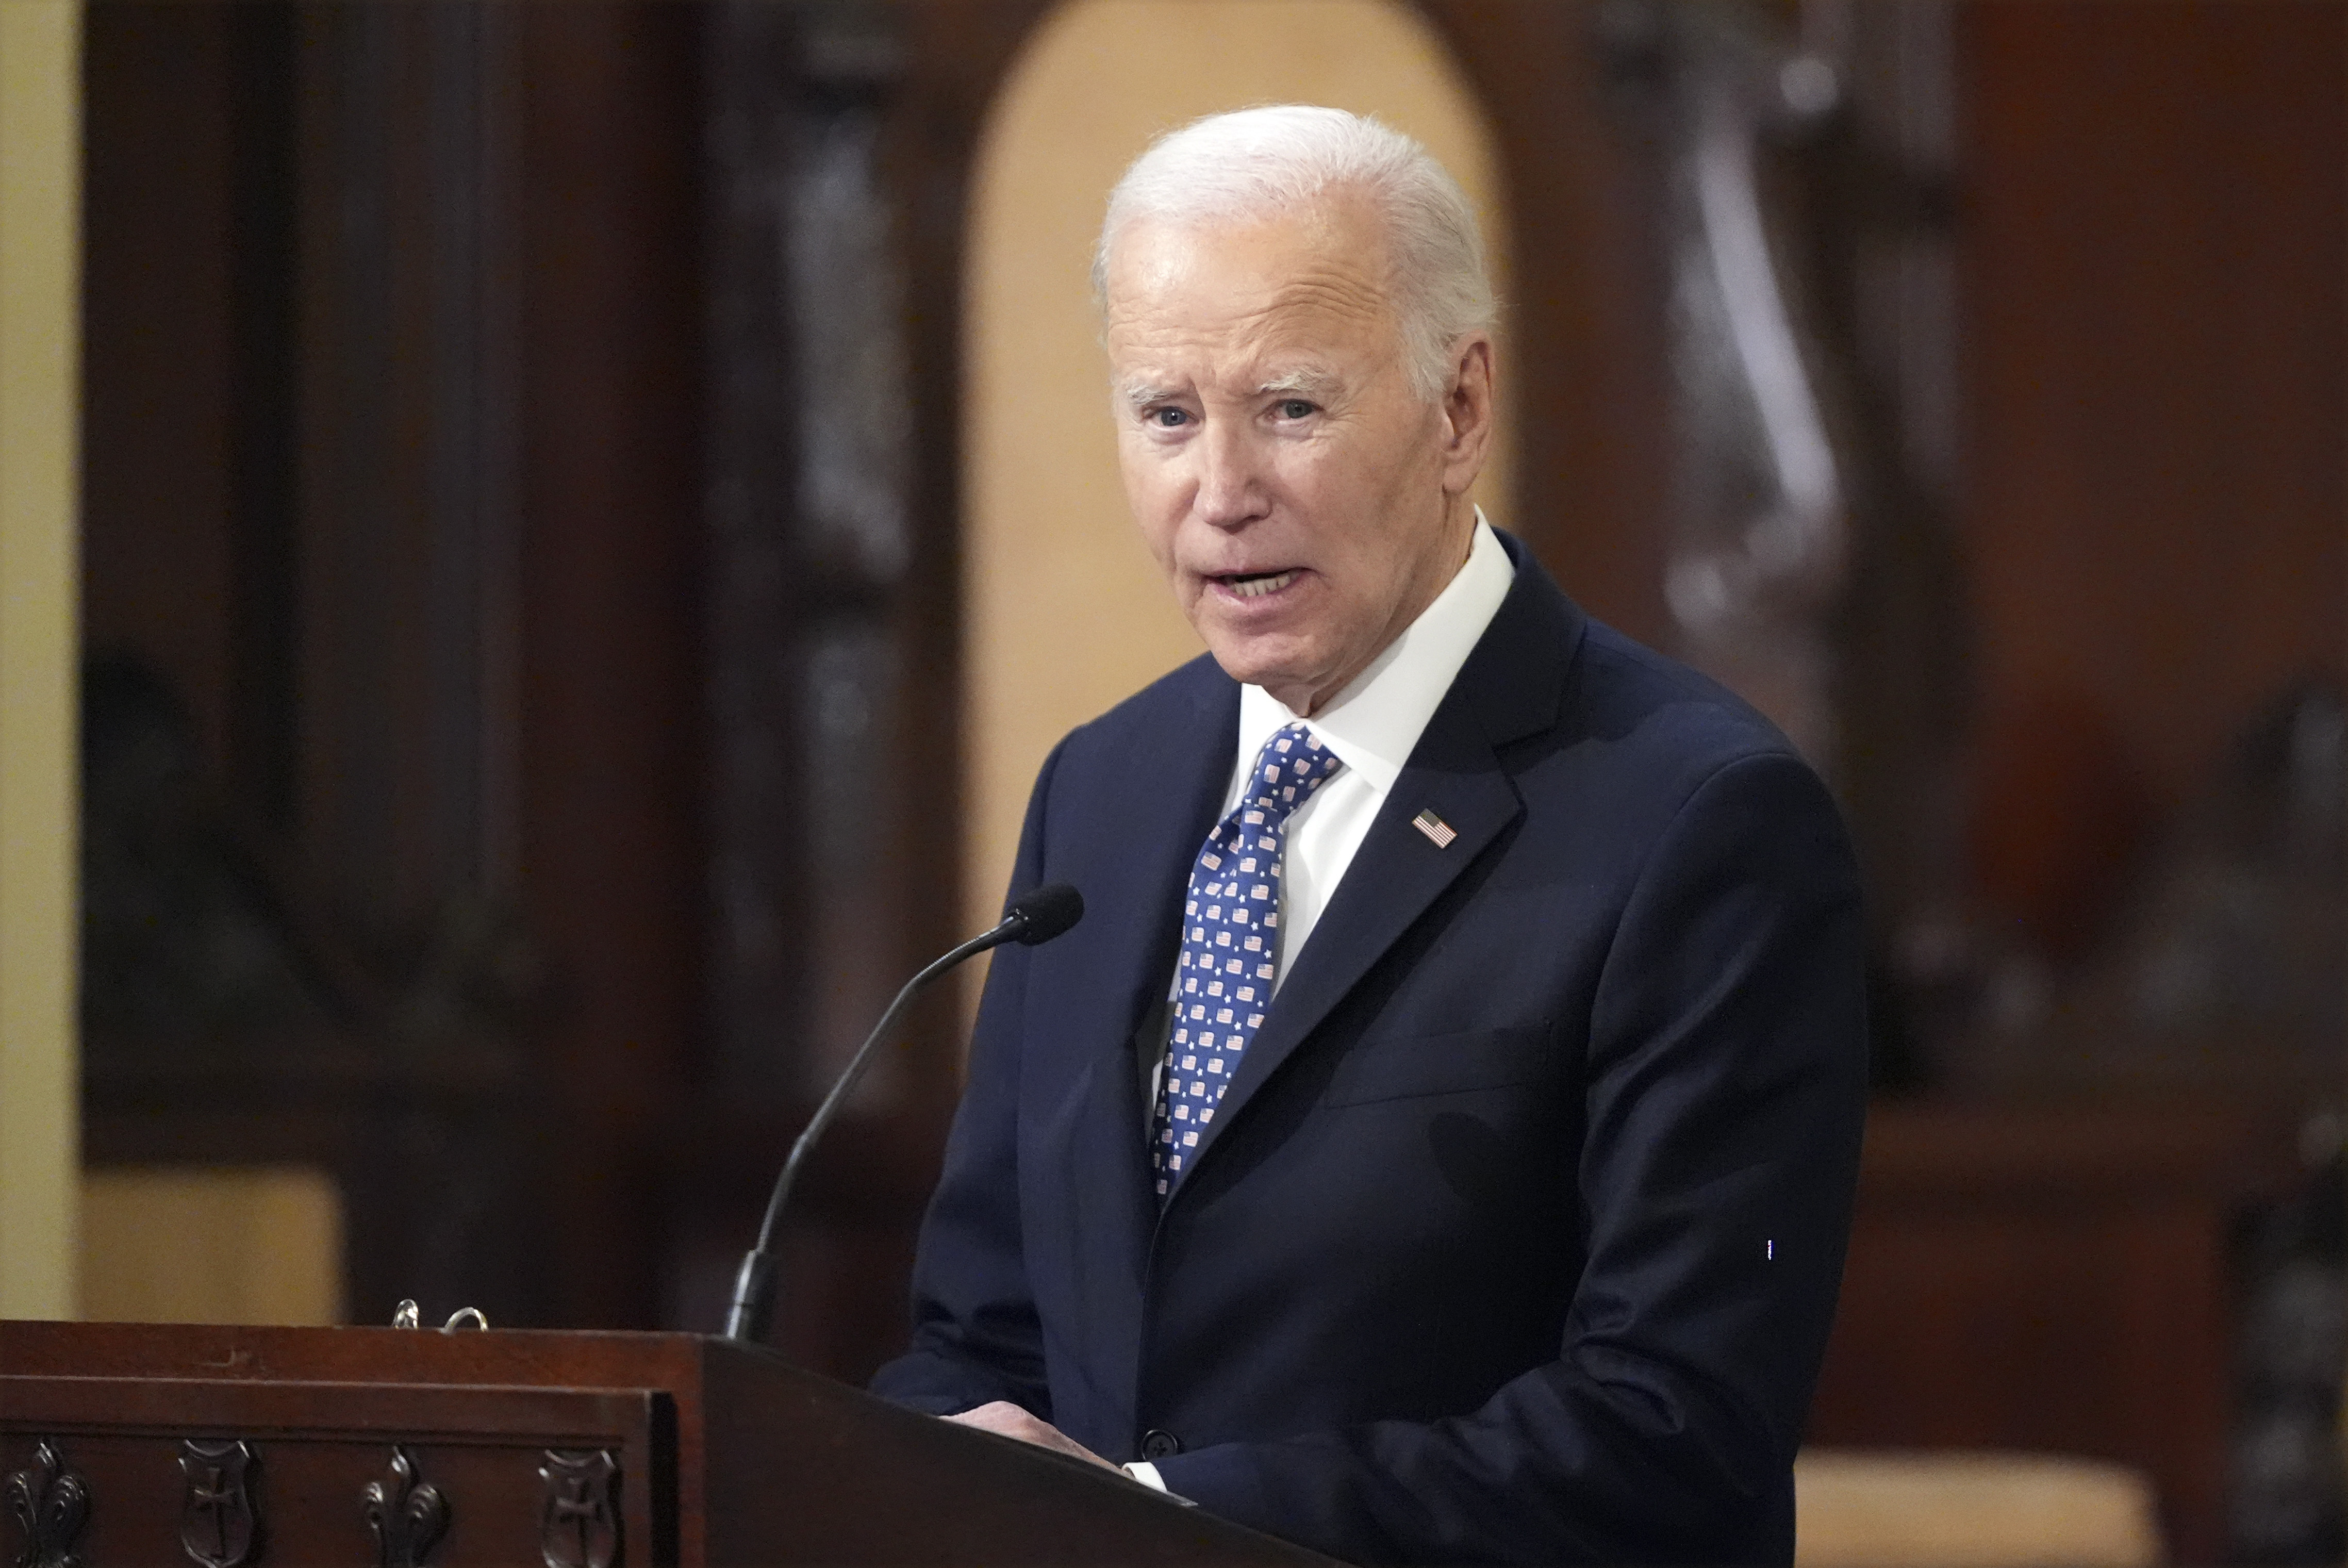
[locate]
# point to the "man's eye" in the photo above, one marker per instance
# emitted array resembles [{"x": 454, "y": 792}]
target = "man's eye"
[
  {"x": 1167, "y": 418},
  {"x": 1296, "y": 408}
]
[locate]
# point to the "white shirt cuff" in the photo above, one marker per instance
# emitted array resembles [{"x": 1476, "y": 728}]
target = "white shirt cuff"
[{"x": 1146, "y": 1474}]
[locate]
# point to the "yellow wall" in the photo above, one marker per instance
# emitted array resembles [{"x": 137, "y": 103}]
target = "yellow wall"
[
  {"x": 178, "y": 1243},
  {"x": 40, "y": 165},
  {"x": 1065, "y": 613}
]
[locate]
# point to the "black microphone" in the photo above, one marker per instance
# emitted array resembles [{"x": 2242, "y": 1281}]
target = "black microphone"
[{"x": 1040, "y": 916}]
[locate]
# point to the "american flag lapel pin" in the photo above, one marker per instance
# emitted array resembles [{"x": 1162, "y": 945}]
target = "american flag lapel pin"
[{"x": 1440, "y": 832}]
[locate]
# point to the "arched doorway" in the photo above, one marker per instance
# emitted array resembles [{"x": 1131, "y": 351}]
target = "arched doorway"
[{"x": 1051, "y": 566}]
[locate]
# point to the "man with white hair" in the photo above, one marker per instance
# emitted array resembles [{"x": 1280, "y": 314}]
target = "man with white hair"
[{"x": 1436, "y": 1142}]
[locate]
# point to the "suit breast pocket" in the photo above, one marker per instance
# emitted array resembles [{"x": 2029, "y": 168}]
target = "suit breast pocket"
[{"x": 1458, "y": 1063}]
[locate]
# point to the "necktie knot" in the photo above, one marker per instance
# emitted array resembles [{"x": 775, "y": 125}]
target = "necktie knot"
[{"x": 1293, "y": 764}]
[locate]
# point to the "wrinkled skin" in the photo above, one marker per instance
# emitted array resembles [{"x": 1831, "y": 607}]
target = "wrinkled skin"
[
  {"x": 1303, "y": 502},
  {"x": 1005, "y": 1419}
]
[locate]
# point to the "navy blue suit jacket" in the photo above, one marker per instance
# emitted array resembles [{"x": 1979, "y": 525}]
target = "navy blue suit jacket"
[{"x": 1517, "y": 1235}]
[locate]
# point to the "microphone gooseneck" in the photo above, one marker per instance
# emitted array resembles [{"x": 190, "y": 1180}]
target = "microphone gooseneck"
[{"x": 1037, "y": 917}]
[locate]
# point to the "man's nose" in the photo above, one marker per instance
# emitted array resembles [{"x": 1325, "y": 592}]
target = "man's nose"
[{"x": 1230, "y": 484}]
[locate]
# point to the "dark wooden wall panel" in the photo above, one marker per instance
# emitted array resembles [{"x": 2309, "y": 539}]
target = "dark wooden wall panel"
[
  {"x": 1585, "y": 321},
  {"x": 158, "y": 350},
  {"x": 2153, "y": 281},
  {"x": 611, "y": 698},
  {"x": 2051, "y": 1278}
]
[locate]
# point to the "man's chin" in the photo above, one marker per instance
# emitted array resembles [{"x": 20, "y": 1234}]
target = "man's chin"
[{"x": 1282, "y": 667}]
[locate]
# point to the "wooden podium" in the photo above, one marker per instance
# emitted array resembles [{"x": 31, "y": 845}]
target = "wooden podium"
[{"x": 155, "y": 1444}]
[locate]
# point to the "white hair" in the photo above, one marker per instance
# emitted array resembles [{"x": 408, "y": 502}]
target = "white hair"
[{"x": 1253, "y": 162}]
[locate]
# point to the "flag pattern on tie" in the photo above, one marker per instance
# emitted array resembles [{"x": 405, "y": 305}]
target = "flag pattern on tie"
[{"x": 1230, "y": 924}]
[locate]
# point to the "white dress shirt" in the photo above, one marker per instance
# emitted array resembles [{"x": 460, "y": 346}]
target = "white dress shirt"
[{"x": 1373, "y": 726}]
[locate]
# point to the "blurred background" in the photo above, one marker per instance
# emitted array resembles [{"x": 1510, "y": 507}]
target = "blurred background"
[{"x": 587, "y": 517}]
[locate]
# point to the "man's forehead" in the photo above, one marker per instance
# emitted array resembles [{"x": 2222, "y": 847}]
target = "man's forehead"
[
  {"x": 1291, "y": 345},
  {"x": 1327, "y": 254},
  {"x": 1275, "y": 298}
]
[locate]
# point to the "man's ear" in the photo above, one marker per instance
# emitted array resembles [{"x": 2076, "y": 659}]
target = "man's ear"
[{"x": 1468, "y": 414}]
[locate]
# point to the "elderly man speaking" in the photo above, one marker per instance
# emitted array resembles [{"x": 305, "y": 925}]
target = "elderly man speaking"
[{"x": 1437, "y": 1143}]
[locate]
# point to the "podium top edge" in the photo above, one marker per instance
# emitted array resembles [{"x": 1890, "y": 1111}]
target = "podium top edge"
[{"x": 539, "y": 1358}]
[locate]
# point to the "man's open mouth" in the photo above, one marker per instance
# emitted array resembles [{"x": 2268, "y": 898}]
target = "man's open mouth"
[{"x": 1255, "y": 584}]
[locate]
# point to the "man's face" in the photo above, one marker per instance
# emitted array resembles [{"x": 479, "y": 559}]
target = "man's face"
[{"x": 1304, "y": 504}]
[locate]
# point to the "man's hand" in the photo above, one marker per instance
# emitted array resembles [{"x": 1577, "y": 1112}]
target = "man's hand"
[{"x": 1005, "y": 1419}]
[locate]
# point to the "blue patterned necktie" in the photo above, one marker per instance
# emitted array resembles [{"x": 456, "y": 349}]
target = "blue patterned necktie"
[{"x": 1231, "y": 919}]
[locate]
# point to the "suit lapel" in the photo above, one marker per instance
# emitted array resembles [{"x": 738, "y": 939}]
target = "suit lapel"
[
  {"x": 1397, "y": 872},
  {"x": 1512, "y": 686},
  {"x": 1169, "y": 791}
]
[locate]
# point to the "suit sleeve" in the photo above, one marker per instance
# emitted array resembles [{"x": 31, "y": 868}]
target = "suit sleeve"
[
  {"x": 1724, "y": 1090},
  {"x": 976, "y": 1337}
]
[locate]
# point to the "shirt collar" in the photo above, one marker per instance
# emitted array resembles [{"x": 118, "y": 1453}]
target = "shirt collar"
[{"x": 1374, "y": 724}]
